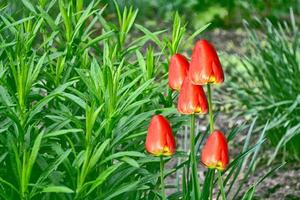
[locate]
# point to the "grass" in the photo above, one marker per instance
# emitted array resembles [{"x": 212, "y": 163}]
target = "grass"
[{"x": 268, "y": 85}]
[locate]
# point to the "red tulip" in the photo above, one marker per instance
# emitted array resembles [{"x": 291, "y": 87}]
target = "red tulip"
[
  {"x": 178, "y": 70},
  {"x": 215, "y": 151},
  {"x": 191, "y": 98},
  {"x": 205, "y": 64},
  {"x": 160, "y": 139}
]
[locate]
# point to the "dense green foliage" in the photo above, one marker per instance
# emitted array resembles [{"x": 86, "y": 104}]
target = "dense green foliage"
[
  {"x": 76, "y": 99},
  {"x": 269, "y": 86},
  {"x": 221, "y": 13}
]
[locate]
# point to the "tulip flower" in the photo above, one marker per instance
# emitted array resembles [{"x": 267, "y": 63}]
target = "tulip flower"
[
  {"x": 215, "y": 151},
  {"x": 205, "y": 65},
  {"x": 160, "y": 140},
  {"x": 178, "y": 69},
  {"x": 191, "y": 98}
]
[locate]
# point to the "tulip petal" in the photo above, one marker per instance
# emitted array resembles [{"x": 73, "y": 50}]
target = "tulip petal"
[
  {"x": 191, "y": 98},
  {"x": 178, "y": 70},
  {"x": 160, "y": 139},
  {"x": 205, "y": 65},
  {"x": 215, "y": 151}
]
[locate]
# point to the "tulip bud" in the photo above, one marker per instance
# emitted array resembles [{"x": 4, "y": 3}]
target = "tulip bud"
[
  {"x": 191, "y": 99},
  {"x": 178, "y": 70},
  {"x": 160, "y": 139},
  {"x": 215, "y": 151},
  {"x": 205, "y": 65}
]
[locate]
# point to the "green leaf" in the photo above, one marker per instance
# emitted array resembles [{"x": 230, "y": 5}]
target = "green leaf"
[
  {"x": 39, "y": 106},
  {"x": 9, "y": 184},
  {"x": 197, "y": 32},
  {"x": 131, "y": 162},
  {"x": 99, "y": 38},
  {"x": 102, "y": 177},
  {"x": 62, "y": 132},
  {"x": 207, "y": 181},
  {"x": 122, "y": 154},
  {"x": 75, "y": 99},
  {"x": 151, "y": 36},
  {"x": 29, "y": 5},
  {"x": 57, "y": 189},
  {"x": 249, "y": 194},
  {"x": 98, "y": 153},
  {"x": 33, "y": 155},
  {"x": 291, "y": 133},
  {"x": 48, "y": 19},
  {"x": 270, "y": 173},
  {"x": 121, "y": 190},
  {"x": 244, "y": 154},
  {"x": 135, "y": 94}
]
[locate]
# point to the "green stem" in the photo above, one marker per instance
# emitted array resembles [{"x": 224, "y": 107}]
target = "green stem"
[
  {"x": 192, "y": 137},
  {"x": 220, "y": 182},
  {"x": 211, "y": 119},
  {"x": 211, "y": 126},
  {"x": 212, "y": 184},
  {"x": 163, "y": 194},
  {"x": 193, "y": 157}
]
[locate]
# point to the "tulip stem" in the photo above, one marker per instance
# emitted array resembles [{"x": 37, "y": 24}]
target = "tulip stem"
[
  {"x": 211, "y": 118},
  {"x": 163, "y": 194},
  {"x": 220, "y": 181},
  {"x": 211, "y": 126},
  {"x": 193, "y": 157}
]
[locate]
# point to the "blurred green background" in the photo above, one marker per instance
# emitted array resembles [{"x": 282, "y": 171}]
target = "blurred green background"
[{"x": 221, "y": 13}]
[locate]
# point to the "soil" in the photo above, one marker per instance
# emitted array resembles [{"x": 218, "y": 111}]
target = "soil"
[{"x": 283, "y": 184}]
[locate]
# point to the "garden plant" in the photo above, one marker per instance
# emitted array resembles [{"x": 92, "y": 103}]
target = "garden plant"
[
  {"x": 273, "y": 68},
  {"x": 93, "y": 106}
]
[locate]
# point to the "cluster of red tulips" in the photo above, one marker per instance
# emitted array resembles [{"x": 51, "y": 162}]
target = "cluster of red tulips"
[{"x": 188, "y": 78}]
